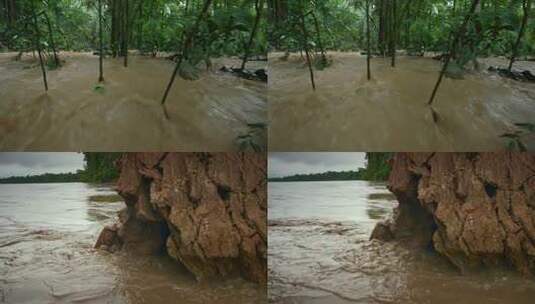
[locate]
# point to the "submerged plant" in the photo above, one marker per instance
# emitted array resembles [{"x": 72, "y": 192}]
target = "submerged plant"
[
  {"x": 254, "y": 139},
  {"x": 99, "y": 88},
  {"x": 515, "y": 139}
]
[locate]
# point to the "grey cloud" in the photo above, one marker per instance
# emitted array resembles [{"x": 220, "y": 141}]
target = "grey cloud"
[
  {"x": 287, "y": 163},
  {"x": 23, "y": 163}
]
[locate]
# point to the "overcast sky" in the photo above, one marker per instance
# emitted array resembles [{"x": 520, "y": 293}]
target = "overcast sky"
[
  {"x": 27, "y": 163},
  {"x": 284, "y": 164}
]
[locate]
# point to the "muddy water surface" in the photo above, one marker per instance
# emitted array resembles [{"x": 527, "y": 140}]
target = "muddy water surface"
[
  {"x": 125, "y": 115},
  {"x": 390, "y": 112},
  {"x": 320, "y": 252},
  {"x": 47, "y": 233}
]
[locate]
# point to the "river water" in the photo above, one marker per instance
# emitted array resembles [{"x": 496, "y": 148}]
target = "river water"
[
  {"x": 390, "y": 112},
  {"x": 47, "y": 233},
  {"x": 320, "y": 252},
  {"x": 206, "y": 115}
]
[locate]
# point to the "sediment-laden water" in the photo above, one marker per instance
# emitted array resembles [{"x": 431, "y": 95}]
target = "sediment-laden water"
[
  {"x": 47, "y": 233},
  {"x": 390, "y": 112},
  {"x": 125, "y": 114},
  {"x": 320, "y": 252}
]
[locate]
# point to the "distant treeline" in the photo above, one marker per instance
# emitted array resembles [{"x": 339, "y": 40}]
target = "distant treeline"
[
  {"x": 326, "y": 176},
  {"x": 43, "y": 178},
  {"x": 377, "y": 169},
  {"x": 99, "y": 168}
]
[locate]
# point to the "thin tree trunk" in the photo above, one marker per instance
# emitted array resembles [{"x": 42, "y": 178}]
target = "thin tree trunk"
[
  {"x": 113, "y": 36},
  {"x": 393, "y": 33},
  {"x": 320, "y": 43},
  {"x": 51, "y": 37},
  {"x": 259, "y": 5},
  {"x": 185, "y": 46},
  {"x": 126, "y": 31},
  {"x": 305, "y": 46},
  {"x": 368, "y": 55},
  {"x": 527, "y": 6},
  {"x": 101, "y": 51},
  {"x": 38, "y": 45},
  {"x": 453, "y": 48}
]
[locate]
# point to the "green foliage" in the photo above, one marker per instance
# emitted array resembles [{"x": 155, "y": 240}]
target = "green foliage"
[
  {"x": 155, "y": 26},
  {"x": 99, "y": 88},
  {"x": 100, "y": 167},
  {"x": 43, "y": 178},
  {"x": 515, "y": 139},
  {"x": 326, "y": 176},
  {"x": 422, "y": 25},
  {"x": 377, "y": 167}
]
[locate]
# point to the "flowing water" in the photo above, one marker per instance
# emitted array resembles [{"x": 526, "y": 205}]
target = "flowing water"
[
  {"x": 47, "y": 233},
  {"x": 206, "y": 115},
  {"x": 390, "y": 112},
  {"x": 320, "y": 252}
]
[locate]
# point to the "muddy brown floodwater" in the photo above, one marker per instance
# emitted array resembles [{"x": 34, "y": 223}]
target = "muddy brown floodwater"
[
  {"x": 320, "y": 252},
  {"x": 390, "y": 112},
  {"x": 47, "y": 233},
  {"x": 206, "y": 115}
]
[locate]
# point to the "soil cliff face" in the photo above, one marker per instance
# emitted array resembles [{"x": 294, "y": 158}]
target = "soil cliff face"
[
  {"x": 206, "y": 210},
  {"x": 473, "y": 208}
]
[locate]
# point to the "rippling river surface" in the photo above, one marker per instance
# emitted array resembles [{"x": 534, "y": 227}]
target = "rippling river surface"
[
  {"x": 390, "y": 112},
  {"x": 125, "y": 115},
  {"x": 320, "y": 252},
  {"x": 47, "y": 233}
]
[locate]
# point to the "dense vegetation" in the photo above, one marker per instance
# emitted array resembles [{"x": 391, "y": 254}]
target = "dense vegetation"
[
  {"x": 194, "y": 30},
  {"x": 99, "y": 168},
  {"x": 377, "y": 169},
  {"x": 43, "y": 178},
  {"x": 326, "y": 176},
  {"x": 149, "y": 26},
  {"x": 377, "y": 166},
  {"x": 416, "y": 26}
]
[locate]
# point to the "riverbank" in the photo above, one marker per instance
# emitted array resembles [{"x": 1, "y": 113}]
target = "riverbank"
[
  {"x": 47, "y": 237},
  {"x": 347, "y": 112},
  {"x": 124, "y": 114},
  {"x": 320, "y": 252}
]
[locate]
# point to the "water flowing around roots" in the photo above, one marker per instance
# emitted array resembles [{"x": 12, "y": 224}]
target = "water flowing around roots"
[
  {"x": 47, "y": 233},
  {"x": 125, "y": 115},
  {"x": 320, "y": 252},
  {"x": 390, "y": 112}
]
